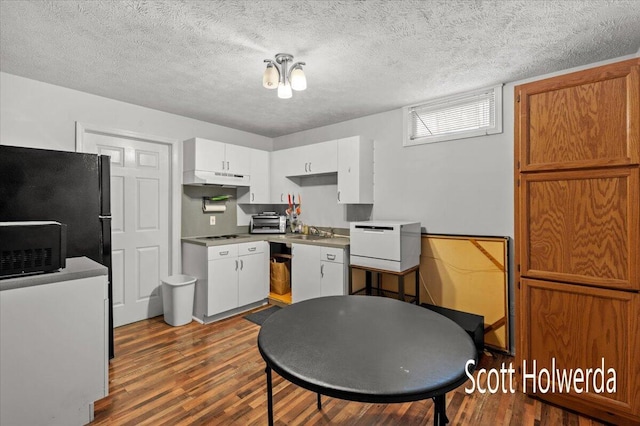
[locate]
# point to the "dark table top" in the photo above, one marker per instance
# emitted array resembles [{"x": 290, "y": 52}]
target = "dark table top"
[{"x": 369, "y": 349}]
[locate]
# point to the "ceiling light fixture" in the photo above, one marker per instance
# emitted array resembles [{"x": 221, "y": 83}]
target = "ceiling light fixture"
[{"x": 279, "y": 75}]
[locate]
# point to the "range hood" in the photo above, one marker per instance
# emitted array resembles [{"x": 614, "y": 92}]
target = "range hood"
[{"x": 200, "y": 177}]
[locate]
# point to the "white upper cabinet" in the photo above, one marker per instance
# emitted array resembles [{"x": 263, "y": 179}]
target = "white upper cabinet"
[
  {"x": 280, "y": 184},
  {"x": 211, "y": 156},
  {"x": 238, "y": 159},
  {"x": 315, "y": 159},
  {"x": 202, "y": 154},
  {"x": 258, "y": 191},
  {"x": 355, "y": 170}
]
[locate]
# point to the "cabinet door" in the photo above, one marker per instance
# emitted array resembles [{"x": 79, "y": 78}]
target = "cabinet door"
[
  {"x": 280, "y": 184},
  {"x": 348, "y": 171},
  {"x": 222, "y": 278},
  {"x": 203, "y": 154},
  {"x": 355, "y": 171},
  {"x": 584, "y": 119},
  {"x": 581, "y": 227},
  {"x": 576, "y": 327},
  {"x": 252, "y": 278},
  {"x": 321, "y": 157},
  {"x": 314, "y": 159},
  {"x": 305, "y": 272},
  {"x": 295, "y": 161},
  {"x": 258, "y": 191},
  {"x": 238, "y": 159},
  {"x": 332, "y": 282}
]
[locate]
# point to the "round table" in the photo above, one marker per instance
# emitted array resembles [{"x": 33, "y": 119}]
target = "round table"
[{"x": 367, "y": 349}]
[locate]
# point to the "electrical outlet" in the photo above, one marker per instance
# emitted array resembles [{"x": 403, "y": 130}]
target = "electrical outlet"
[{"x": 212, "y": 220}]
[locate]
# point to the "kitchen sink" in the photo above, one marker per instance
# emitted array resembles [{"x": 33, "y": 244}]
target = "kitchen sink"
[
  {"x": 306, "y": 237},
  {"x": 309, "y": 237}
]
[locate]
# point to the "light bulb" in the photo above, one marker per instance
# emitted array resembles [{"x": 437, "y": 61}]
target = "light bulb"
[
  {"x": 284, "y": 90},
  {"x": 298, "y": 80},
  {"x": 270, "y": 77}
]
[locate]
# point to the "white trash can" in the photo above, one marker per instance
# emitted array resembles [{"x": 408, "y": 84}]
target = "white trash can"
[{"x": 177, "y": 299}]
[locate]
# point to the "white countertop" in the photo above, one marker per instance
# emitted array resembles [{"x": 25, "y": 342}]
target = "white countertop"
[
  {"x": 76, "y": 268},
  {"x": 337, "y": 242}
]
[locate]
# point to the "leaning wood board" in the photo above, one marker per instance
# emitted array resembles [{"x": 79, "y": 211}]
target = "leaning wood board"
[{"x": 469, "y": 274}]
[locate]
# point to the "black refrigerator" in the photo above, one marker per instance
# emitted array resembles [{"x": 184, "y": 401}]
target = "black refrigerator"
[{"x": 68, "y": 187}]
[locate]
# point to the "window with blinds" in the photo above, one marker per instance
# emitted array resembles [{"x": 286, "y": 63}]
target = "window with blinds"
[{"x": 466, "y": 115}]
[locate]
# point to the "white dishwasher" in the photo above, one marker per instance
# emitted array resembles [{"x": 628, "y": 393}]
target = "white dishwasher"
[{"x": 388, "y": 245}]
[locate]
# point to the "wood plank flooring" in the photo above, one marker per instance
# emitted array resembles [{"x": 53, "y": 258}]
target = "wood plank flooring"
[{"x": 214, "y": 375}]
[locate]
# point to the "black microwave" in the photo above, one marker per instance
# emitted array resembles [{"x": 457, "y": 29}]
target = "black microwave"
[{"x": 32, "y": 247}]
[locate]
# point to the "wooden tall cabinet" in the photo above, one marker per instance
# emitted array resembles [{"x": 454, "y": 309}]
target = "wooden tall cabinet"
[{"x": 577, "y": 203}]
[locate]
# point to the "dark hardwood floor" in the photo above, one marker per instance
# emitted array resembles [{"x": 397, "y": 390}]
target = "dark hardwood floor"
[{"x": 214, "y": 375}]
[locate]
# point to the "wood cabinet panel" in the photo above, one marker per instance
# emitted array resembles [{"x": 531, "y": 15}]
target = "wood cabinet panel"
[
  {"x": 577, "y": 151},
  {"x": 584, "y": 119},
  {"x": 578, "y": 328},
  {"x": 581, "y": 227}
]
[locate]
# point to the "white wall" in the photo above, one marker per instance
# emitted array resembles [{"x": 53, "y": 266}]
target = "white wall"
[
  {"x": 456, "y": 187},
  {"x": 40, "y": 115},
  {"x": 460, "y": 187}
]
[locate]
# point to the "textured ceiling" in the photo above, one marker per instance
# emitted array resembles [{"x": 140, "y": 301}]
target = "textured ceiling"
[{"x": 204, "y": 59}]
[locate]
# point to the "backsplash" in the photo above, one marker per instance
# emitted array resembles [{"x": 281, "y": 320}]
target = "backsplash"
[{"x": 196, "y": 223}]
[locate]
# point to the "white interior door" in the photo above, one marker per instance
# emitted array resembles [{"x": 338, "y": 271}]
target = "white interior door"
[{"x": 140, "y": 206}]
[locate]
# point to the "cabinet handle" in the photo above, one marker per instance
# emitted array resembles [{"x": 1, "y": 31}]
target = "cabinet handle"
[
  {"x": 281, "y": 197},
  {"x": 331, "y": 256},
  {"x": 222, "y": 164},
  {"x": 305, "y": 167},
  {"x": 241, "y": 264},
  {"x": 253, "y": 196},
  {"x": 227, "y": 165},
  {"x": 224, "y": 253},
  {"x": 236, "y": 264},
  {"x": 322, "y": 270},
  {"x": 251, "y": 249},
  {"x": 309, "y": 166},
  {"x": 338, "y": 195}
]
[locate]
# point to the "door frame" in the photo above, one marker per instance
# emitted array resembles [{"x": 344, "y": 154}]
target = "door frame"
[{"x": 175, "y": 182}]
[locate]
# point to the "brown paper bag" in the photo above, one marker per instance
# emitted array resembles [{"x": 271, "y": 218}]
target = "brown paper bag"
[{"x": 280, "y": 275}]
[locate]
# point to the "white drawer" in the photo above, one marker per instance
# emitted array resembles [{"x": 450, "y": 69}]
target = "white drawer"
[
  {"x": 221, "y": 252},
  {"x": 251, "y": 248},
  {"x": 331, "y": 254}
]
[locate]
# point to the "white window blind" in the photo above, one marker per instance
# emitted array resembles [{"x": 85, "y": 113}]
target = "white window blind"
[{"x": 470, "y": 114}]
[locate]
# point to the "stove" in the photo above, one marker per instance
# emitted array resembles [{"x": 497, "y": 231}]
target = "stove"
[{"x": 218, "y": 237}]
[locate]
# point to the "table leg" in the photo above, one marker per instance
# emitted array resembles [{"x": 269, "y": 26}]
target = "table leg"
[
  {"x": 401, "y": 287},
  {"x": 440, "y": 410},
  {"x": 319, "y": 402},
  {"x": 417, "y": 286},
  {"x": 269, "y": 396},
  {"x": 367, "y": 281},
  {"x": 350, "y": 280}
]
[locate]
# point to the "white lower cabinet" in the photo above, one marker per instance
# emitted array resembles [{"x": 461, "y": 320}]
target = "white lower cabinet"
[
  {"x": 305, "y": 272},
  {"x": 317, "y": 271},
  {"x": 253, "y": 272},
  {"x": 53, "y": 351},
  {"x": 222, "y": 279},
  {"x": 229, "y": 276},
  {"x": 332, "y": 272}
]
